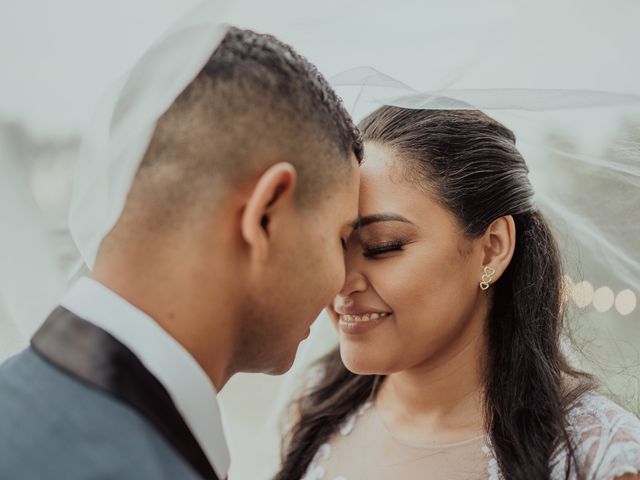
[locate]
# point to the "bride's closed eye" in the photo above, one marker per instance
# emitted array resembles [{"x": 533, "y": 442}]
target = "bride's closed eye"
[{"x": 377, "y": 249}]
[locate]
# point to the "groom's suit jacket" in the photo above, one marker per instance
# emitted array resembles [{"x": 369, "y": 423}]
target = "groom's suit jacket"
[{"x": 78, "y": 404}]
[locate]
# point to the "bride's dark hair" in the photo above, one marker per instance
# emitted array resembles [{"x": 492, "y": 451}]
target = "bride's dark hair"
[{"x": 470, "y": 163}]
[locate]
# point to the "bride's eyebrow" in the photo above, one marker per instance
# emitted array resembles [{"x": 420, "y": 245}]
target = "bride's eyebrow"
[{"x": 380, "y": 217}]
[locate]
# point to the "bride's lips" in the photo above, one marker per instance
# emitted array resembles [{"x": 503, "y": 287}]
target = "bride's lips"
[{"x": 361, "y": 323}]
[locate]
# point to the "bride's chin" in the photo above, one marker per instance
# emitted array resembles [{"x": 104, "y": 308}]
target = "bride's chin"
[{"x": 362, "y": 364}]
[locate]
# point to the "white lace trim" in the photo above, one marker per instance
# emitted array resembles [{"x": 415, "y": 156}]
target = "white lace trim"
[{"x": 607, "y": 439}]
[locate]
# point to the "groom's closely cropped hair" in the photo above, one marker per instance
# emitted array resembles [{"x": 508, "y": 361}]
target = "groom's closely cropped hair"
[{"x": 256, "y": 100}]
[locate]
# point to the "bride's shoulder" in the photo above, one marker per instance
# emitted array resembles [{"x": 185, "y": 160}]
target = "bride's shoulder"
[
  {"x": 595, "y": 415},
  {"x": 606, "y": 438}
]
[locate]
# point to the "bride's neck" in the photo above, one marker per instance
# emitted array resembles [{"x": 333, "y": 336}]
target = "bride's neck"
[{"x": 444, "y": 392}]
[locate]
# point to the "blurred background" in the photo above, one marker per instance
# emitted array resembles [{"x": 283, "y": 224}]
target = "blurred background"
[{"x": 56, "y": 59}]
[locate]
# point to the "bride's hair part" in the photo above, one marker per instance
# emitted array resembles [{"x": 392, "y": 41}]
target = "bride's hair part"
[
  {"x": 256, "y": 102},
  {"x": 471, "y": 164}
]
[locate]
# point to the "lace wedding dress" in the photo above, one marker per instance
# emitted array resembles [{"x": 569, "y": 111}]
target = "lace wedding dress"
[{"x": 607, "y": 438}]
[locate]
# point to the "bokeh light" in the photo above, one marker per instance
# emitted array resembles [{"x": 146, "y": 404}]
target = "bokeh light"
[
  {"x": 582, "y": 294},
  {"x": 603, "y": 299},
  {"x": 626, "y": 302}
]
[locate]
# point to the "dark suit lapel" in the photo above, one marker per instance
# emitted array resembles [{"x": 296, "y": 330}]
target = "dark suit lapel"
[{"x": 95, "y": 357}]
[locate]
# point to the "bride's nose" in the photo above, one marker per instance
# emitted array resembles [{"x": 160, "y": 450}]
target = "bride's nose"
[{"x": 354, "y": 282}]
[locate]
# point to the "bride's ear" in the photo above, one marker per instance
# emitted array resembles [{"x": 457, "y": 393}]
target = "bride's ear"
[
  {"x": 272, "y": 192},
  {"x": 499, "y": 242}
]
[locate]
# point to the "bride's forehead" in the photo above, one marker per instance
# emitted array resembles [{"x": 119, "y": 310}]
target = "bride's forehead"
[
  {"x": 389, "y": 183},
  {"x": 382, "y": 194},
  {"x": 383, "y": 167}
]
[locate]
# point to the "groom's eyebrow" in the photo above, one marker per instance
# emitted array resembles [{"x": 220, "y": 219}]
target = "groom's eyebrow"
[{"x": 380, "y": 217}]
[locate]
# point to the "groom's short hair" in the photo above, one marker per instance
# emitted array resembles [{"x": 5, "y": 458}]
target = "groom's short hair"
[{"x": 255, "y": 102}]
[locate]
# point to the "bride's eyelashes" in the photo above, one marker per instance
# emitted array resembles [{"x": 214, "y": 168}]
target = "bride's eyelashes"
[{"x": 378, "y": 249}]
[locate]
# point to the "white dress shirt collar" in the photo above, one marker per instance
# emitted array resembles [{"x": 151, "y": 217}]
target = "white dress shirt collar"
[{"x": 186, "y": 382}]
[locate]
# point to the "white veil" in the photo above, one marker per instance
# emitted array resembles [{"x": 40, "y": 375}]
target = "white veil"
[
  {"x": 563, "y": 77},
  {"x": 115, "y": 142}
]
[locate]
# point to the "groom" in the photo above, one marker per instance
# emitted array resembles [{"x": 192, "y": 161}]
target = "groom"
[{"x": 229, "y": 246}]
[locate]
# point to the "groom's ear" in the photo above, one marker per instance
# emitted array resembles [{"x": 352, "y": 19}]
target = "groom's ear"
[{"x": 273, "y": 191}]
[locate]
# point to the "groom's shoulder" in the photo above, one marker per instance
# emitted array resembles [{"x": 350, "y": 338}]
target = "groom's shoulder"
[
  {"x": 29, "y": 382},
  {"x": 55, "y": 423}
]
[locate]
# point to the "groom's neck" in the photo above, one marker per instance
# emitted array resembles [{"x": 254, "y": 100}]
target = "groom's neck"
[{"x": 194, "y": 309}]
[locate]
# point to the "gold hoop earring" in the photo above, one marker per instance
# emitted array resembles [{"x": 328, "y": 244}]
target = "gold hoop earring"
[{"x": 487, "y": 276}]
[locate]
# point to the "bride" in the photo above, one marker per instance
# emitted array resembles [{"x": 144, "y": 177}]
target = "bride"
[{"x": 450, "y": 363}]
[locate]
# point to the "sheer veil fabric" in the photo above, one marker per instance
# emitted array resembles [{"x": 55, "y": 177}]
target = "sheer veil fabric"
[
  {"x": 118, "y": 136},
  {"x": 562, "y": 77}
]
